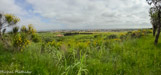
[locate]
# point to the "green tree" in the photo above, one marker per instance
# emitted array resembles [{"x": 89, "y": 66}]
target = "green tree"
[
  {"x": 156, "y": 8},
  {"x": 7, "y": 20},
  {"x": 154, "y": 19}
]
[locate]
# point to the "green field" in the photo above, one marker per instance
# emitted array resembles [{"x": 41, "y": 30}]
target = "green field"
[{"x": 103, "y": 53}]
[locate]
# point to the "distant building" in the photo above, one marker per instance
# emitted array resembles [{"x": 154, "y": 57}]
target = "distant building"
[{"x": 60, "y": 35}]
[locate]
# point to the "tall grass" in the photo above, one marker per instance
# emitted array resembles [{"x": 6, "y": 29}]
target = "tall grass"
[{"x": 86, "y": 56}]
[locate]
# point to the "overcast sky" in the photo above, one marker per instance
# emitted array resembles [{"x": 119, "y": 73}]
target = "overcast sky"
[{"x": 79, "y": 14}]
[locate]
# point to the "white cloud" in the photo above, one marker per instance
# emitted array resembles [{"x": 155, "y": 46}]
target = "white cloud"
[
  {"x": 84, "y": 14},
  {"x": 9, "y": 6}
]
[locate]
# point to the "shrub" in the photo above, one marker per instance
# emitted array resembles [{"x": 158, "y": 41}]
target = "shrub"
[
  {"x": 123, "y": 36},
  {"x": 30, "y": 32},
  {"x": 35, "y": 38},
  {"x": 112, "y": 36},
  {"x": 20, "y": 41},
  {"x": 149, "y": 31},
  {"x": 31, "y": 29},
  {"x": 15, "y": 30},
  {"x": 136, "y": 34},
  {"x": 57, "y": 45},
  {"x": 97, "y": 36},
  {"x": 24, "y": 29},
  {"x": 82, "y": 45},
  {"x": 48, "y": 39},
  {"x": 129, "y": 32}
]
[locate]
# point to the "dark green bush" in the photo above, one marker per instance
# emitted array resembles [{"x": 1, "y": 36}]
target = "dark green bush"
[
  {"x": 112, "y": 36},
  {"x": 123, "y": 37},
  {"x": 129, "y": 32},
  {"x": 137, "y": 34},
  {"x": 35, "y": 38},
  {"x": 48, "y": 39},
  {"x": 97, "y": 36},
  {"x": 24, "y": 29},
  {"x": 15, "y": 30}
]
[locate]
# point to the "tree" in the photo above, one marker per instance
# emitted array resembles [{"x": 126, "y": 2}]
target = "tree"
[
  {"x": 7, "y": 20},
  {"x": 156, "y": 8},
  {"x": 154, "y": 20}
]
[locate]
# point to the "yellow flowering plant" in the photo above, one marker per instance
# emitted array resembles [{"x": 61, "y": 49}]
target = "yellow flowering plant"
[{"x": 20, "y": 41}]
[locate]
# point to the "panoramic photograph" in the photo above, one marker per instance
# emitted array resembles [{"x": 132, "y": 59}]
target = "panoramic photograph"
[{"x": 80, "y": 37}]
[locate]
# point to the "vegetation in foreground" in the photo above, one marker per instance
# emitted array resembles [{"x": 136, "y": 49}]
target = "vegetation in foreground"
[{"x": 109, "y": 53}]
